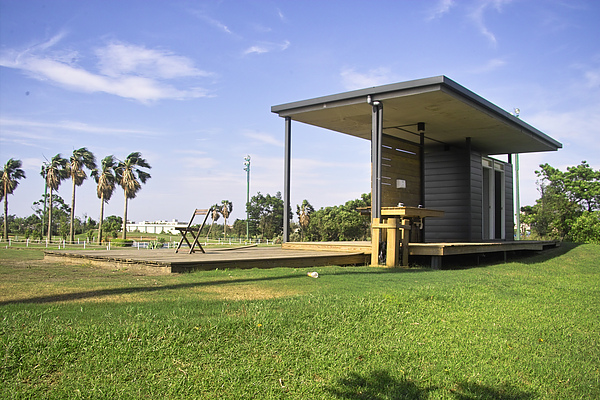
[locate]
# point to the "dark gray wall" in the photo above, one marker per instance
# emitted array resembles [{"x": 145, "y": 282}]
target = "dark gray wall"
[
  {"x": 454, "y": 184},
  {"x": 476, "y": 197},
  {"x": 447, "y": 188}
]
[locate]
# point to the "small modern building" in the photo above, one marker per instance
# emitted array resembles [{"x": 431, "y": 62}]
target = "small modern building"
[
  {"x": 433, "y": 144},
  {"x": 155, "y": 227}
]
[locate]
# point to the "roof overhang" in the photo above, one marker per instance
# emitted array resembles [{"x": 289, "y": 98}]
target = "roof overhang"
[{"x": 450, "y": 112}]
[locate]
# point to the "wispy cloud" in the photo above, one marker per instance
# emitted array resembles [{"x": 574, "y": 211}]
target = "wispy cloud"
[
  {"x": 441, "y": 8},
  {"x": 214, "y": 22},
  {"x": 490, "y": 66},
  {"x": 71, "y": 126},
  {"x": 263, "y": 138},
  {"x": 267, "y": 47},
  {"x": 478, "y": 16},
  {"x": 352, "y": 79},
  {"x": 118, "y": 59},
  {"x": 125, "y": 70},
  {"x": 281, "y": 15}
]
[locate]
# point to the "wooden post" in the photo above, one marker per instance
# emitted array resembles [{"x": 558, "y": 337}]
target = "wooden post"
[
  {"x": 405, "y": 236},
  {"x": 393, "y": 248}
]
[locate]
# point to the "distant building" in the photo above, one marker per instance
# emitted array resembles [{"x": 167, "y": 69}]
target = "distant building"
[{"x": 155, "y": 227}]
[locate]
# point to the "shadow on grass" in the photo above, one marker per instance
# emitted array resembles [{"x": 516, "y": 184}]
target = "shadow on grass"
[
  {"x": 472, "y": 391},
  {"x": 150, "y": 289},
  {"x": 379, "y": 385}
]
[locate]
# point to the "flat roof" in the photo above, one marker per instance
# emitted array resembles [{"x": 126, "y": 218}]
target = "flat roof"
[{"x": 450, "y": 113}]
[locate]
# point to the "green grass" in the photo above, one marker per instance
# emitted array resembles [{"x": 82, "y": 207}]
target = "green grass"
[{"x": 523, "y": 330}]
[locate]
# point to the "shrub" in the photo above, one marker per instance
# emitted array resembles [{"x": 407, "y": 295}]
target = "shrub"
[
  {"x": 121, "y": 242},
  {"x": 586, "y": 228}
]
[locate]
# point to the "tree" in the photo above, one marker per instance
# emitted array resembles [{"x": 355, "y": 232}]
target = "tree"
[
  {"x": 54, "y": 172},
  {"x": 304, "y": 211},
  {"x": 340, "y": 222},
  {"x": 582, "y": 185},
  {"x": 226, "y": 209},
  {"x": 565, "y": 196},
  {"x": 112, "y": 225},
  {"x": 214, "y": 214},
  {"x": 239, "y": 228},
  {"x": 80, "y": 159},
  {"x": 129, "y": 174},
  {"x": 105, "y": 178},
  {"x": 10, "y": 175},
  {"x": 266, "y": 215}
]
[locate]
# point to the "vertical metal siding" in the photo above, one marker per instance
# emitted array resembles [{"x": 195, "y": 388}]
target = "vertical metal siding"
[
  {"x": 447, "y": 188},
  {"x": 476, "y": 193},
  {"x": 509, "y": 204}
]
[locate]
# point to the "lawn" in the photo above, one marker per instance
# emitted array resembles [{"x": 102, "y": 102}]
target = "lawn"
[{"x": 528, "y": 329}]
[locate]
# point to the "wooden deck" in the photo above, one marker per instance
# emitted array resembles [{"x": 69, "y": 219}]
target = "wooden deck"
[
  {"x": 433, "y": 250},
  {"x": 291, "y": 254},
  {"x": 428, "y": 249},
  {"x": 166, "y": 261}
]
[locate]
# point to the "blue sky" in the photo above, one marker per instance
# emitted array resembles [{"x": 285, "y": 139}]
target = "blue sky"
[{"x": 190, "y": 84}]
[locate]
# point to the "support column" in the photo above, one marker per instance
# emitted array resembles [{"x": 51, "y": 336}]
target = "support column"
[
  {"x": 421, "y": 129},
  {"x": 517, "y": 198},
  {"x": 376, "y": 139},
  {"x": 287, "y": 169}
]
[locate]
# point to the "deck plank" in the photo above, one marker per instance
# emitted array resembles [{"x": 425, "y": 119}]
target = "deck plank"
[{"x": 291, "y": 254}]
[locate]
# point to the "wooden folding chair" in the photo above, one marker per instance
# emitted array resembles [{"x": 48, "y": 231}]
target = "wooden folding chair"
[{"x": 194, "y": 232}]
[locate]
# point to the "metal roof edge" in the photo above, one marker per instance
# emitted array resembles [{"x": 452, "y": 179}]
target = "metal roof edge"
[
  {"x": 442, "y": 81},
  {"x": 500, "y": 112},
  {"x": 436, "y": 80}
]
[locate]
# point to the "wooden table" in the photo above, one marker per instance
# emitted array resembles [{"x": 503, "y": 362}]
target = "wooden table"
[{"x": 393, "y": 220}]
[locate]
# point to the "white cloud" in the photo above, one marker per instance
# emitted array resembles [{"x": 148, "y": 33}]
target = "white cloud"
[
  {"x": 478, "y": 16},
  {"x": 70, "y": 125},
  {"x": 263, "y": 138},
  {"x": 267, "y": 47},
  {"x": 117, "y": 59},
  {"x": 352, "y": 79},
  {"x": 256, "y": 50},
  {"x": 574, "y": 128},
  {"x": 217, "y": 24},
  {"x": 281, "y": 15},
  {"x": 126, "y": 70},
  {"x": 442, "y": 7}
]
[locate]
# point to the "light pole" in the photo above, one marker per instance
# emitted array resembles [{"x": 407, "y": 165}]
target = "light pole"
[
  {"x": 45, "y": 175},
  {"x": 517, "y": 183},
  {"x": 247, "y": 169}
]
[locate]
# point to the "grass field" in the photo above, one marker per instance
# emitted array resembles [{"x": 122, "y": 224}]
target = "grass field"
[{"x": 523, "y": 330}]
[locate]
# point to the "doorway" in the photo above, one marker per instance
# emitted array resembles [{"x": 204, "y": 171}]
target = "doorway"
[{"x": 494, "y": 189}]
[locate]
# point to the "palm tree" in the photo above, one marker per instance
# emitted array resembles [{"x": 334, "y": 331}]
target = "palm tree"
[
  {"x": 105, "y": 178},
  {"x": 214, "y": 214},
  {"x": 303, "y": 211},
  {"x": 226, "y": 208},
  {"x": 127, "y": 173},
  {"x": 79, "y": 159},
  {"x": 54, "y": 172},
  {"x": 9, "y": 176}
]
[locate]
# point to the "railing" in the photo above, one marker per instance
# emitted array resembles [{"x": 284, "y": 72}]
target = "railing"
[{"x": 61, "y": 244}]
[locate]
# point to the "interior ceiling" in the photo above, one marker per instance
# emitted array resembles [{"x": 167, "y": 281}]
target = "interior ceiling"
[{"x": 449, "y": 116}]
